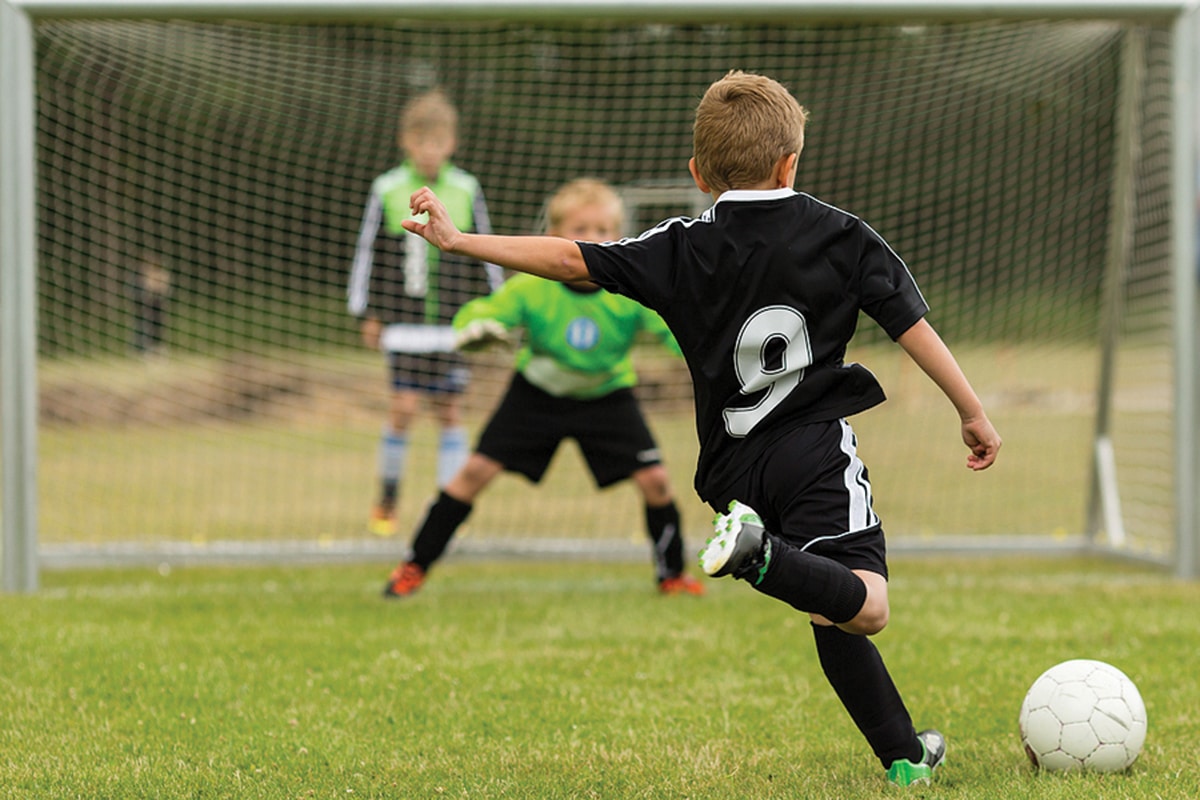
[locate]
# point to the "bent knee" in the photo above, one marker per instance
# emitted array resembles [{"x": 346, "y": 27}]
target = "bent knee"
[
  {"x": 655, "y": 485},
  {"x": 477, "y": 468},
  {"x": 870, "y": 620}
]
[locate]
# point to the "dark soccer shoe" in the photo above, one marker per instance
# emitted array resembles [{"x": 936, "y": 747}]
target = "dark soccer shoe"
[
  {"x": 739, "y": 548},
  {"x": 903, "y": 772}
]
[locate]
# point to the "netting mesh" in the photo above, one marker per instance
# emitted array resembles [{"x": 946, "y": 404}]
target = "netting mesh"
[
  {"x": 1142, "y": 402},
  {"x": 227, "y": 164}
]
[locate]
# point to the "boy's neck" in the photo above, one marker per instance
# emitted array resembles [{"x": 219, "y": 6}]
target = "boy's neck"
[
  {"x": 782, "y": 178},
  {"x": 437, "y": 173}
]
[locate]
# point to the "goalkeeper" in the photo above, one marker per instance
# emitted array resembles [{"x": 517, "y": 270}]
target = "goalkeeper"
[{"x": 574, "y": 378}]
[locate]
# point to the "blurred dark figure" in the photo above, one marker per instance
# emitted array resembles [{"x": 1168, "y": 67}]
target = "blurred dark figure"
[{"x": 151, "y": 287}]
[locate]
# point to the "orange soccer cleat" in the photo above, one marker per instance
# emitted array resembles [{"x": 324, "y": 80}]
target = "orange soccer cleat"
[
  {"x": 404, "y": 580},
  {"x": 681, "y": 584}
]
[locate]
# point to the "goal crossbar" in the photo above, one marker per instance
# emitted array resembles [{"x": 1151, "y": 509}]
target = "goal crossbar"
[{"x": 665, "y": 10}]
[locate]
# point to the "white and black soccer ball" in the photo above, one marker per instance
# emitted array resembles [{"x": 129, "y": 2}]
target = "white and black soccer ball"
[{"x": 1083, "y": 715}]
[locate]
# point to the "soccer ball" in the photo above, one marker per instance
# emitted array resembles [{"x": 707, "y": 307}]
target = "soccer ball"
[{"x": 1083, "y": 715}]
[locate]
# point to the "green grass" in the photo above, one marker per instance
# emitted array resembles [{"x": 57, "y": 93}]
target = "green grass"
[{"x": 546, "y": 680}]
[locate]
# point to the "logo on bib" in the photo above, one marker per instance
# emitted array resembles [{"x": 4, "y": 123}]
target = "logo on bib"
[{"x": 583, "y": 333}]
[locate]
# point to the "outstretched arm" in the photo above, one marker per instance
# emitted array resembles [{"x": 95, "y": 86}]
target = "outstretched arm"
[
  {"x": 927, "y": 349},
  {"x": 546, "y": 256}
]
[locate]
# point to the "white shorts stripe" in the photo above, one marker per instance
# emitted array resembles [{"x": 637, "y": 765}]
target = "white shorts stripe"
[{"x": 860, "y": 514}]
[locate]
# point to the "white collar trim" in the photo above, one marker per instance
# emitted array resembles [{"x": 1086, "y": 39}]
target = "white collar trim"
[{"x": 752, "y": 195}]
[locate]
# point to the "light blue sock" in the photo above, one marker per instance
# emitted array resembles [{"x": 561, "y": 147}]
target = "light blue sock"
[
  {"x": 393, "y": 450},
  {"x": 452, "y": 454}
]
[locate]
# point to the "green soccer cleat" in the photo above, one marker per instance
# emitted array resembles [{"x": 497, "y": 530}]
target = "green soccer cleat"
[
  {"x": 903, "y": 772},
  {"x": 739, "y": 548}
]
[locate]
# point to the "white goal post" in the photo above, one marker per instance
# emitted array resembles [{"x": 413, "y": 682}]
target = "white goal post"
[{"x": 1176, "y": 130}]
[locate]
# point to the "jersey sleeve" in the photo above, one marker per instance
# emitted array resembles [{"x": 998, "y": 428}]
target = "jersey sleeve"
[
  {"x": 358, "y": 293},
  {"x": 483, "y": 224},
  {"x": 641, "y": 269},
  {"x": 888, "y": 294}
]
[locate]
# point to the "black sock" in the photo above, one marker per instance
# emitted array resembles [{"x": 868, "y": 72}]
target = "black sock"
[
  {"x": 662, "y": 524},
  {"x": 811, "y": 583},
  {"x": 389, "y": 494},
  {"x": 858, "y": 675},
  {"x": 437, "y": 529}
]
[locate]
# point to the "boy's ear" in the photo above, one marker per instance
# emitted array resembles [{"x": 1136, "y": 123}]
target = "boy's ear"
[
  {"x": 784, "y": 174},
  {"x": 700, "y": 184}
]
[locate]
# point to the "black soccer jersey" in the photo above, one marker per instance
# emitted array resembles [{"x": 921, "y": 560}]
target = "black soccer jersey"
[
  {"x": 397, "y": 277},
  {"x": 763, "y": 293}
]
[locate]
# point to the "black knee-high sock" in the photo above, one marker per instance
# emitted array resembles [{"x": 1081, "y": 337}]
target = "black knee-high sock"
[
  {"x": 662, "y": 525},
  {"x": 810, "y": 583},
  {"x": 437, "y": 529},
  {"x": 858, "y": 675}
]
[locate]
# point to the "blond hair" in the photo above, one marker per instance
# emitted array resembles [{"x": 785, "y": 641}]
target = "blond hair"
[
  {"x": 744, "y": 124},
  {"x": 582, "y": 192},
  {"x": 431, "y": 112}
]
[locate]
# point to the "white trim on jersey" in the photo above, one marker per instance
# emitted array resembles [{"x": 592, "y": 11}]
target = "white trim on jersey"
[
  {"x": 731, "y": 196},
  {"x": 758, "y": 195},
  {"x": 686, "y": 222},
  {"x": 358, "y": 292},
  {"x": 874, "y": 233},
  {"x": 483, "y": 224},
  {"x": 755, "y": 195}
]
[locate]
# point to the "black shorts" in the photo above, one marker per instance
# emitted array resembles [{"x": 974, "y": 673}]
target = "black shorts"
[
  {"x": 529, "y": 424},
  {"x": 812, "y": 490},
  {"x": 436, "y": 373}
]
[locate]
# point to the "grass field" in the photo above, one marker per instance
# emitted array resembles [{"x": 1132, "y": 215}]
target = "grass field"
[{"x": 545, "y": 680}]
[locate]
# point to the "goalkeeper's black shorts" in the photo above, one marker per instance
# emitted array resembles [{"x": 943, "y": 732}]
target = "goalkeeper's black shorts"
[
  {"x": 526, "y": 429},
  {"x": 436, "y": 373}
]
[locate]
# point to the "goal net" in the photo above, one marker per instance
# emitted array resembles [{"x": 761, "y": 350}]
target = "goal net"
[{"x": 201, "y": 187}]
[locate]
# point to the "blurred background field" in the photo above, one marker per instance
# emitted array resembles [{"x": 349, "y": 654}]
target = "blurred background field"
[
  {"x": 1019, "y": 166},
  {"x": 293, "y": 459}
]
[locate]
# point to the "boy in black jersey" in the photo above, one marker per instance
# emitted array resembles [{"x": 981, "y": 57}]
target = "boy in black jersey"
[
  {"x": 763, "y": 293},
  {"x": 405, "y": 294}
]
